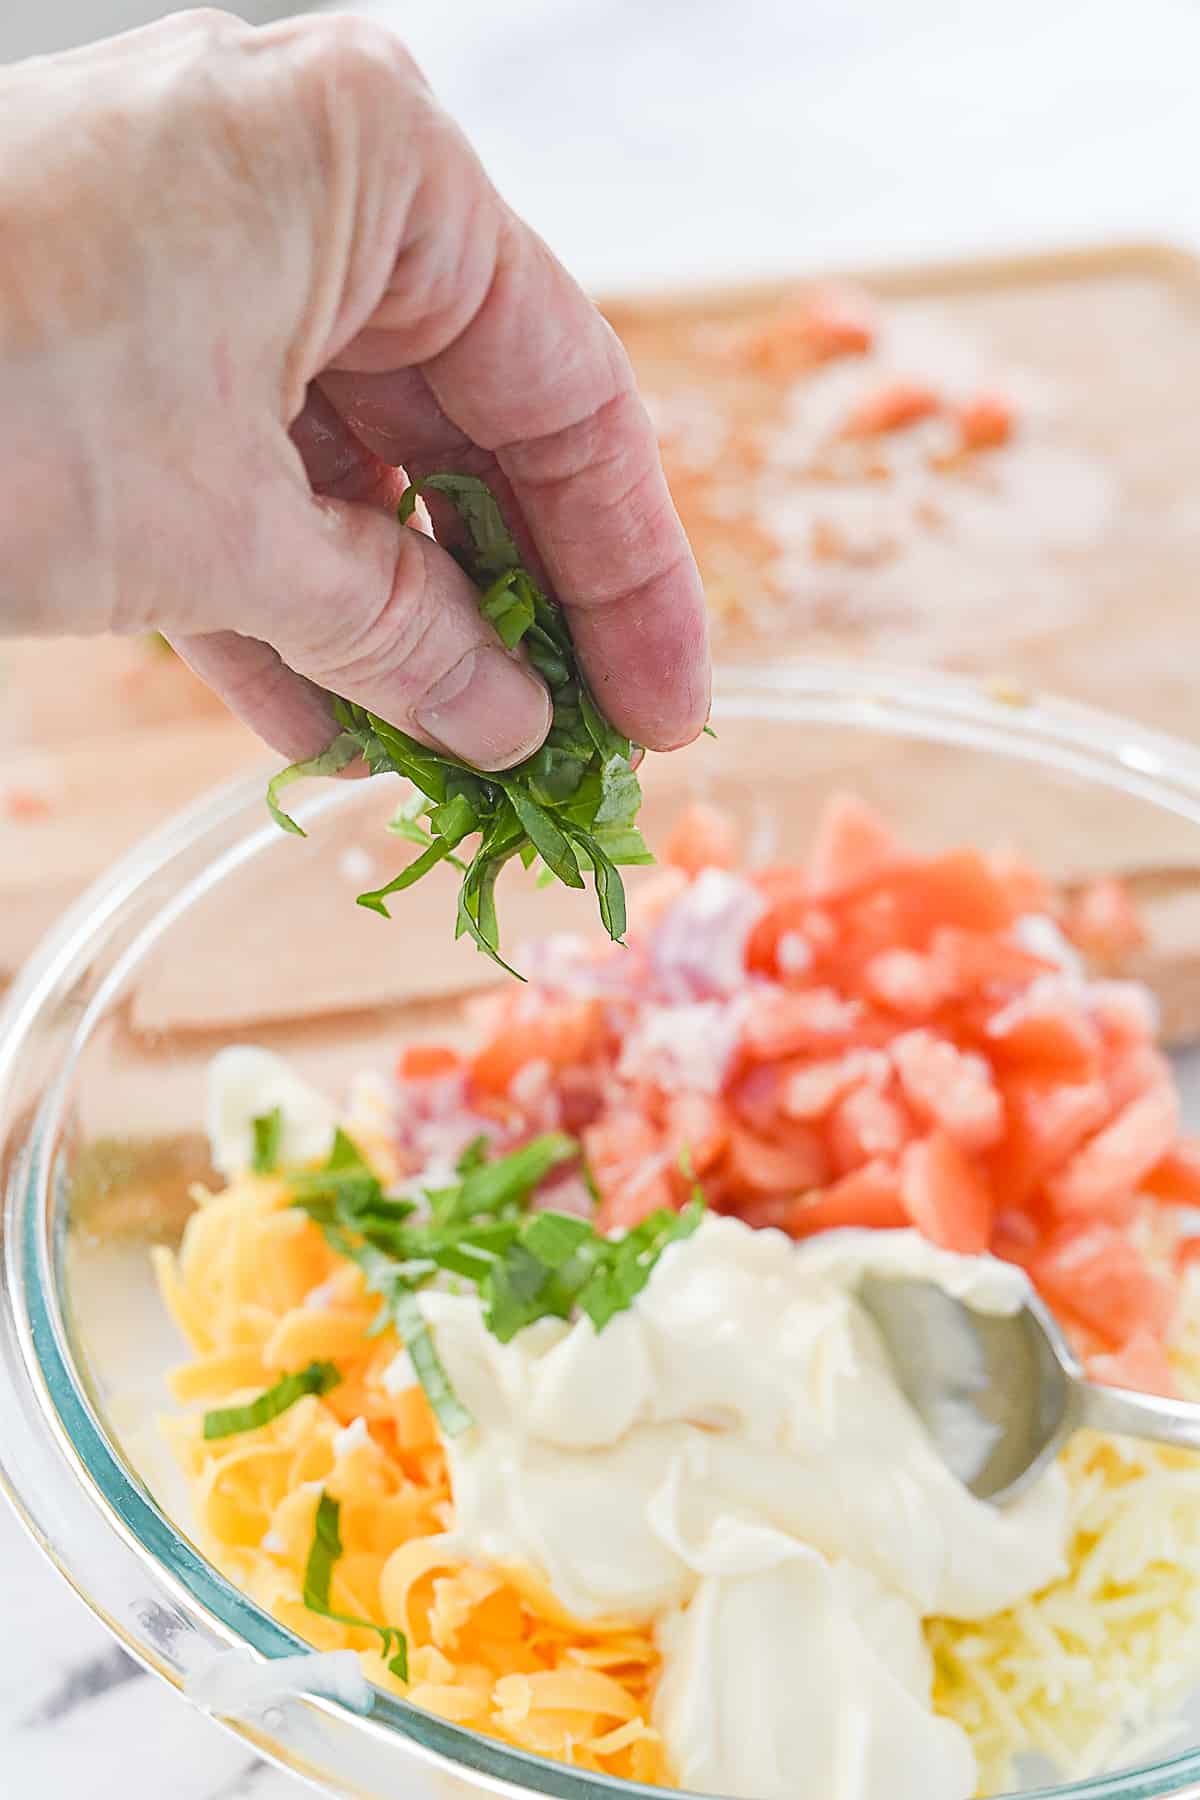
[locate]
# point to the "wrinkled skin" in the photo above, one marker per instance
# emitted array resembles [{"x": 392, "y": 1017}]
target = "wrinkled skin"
[{"x": 247, "y": 275}]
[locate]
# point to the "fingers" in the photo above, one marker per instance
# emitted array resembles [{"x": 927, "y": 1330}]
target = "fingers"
[
  {"x": 368, "y": 609},
  {"x": 287, "y": 712},
  {"x": 521, "y": 363},
  {"x": 558, "y": 408},
  {"x": 641, "y": 633},
  {"x": 382, "y": 615},
  {"x": 291, "y": 714}
]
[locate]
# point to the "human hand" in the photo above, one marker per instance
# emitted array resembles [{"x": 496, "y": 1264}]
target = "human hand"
[{"x": 248, "y": 275}]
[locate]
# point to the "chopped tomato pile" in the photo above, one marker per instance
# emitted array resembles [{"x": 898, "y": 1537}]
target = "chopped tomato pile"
[{"x": 867, "y": 1038}]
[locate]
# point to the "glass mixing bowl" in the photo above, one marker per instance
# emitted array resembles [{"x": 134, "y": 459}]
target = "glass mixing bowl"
[{"x": 220, "y": 928}]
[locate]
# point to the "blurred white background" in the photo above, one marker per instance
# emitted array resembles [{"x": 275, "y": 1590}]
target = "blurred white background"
[{"x": 660, "y": 140}]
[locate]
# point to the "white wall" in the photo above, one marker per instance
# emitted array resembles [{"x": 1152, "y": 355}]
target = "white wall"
[
  {"x": 659, "y": 141},
  {"x": 32, "y": 27}
]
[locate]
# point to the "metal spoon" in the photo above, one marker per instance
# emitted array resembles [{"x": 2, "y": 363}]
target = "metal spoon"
[{"x": 1001, "y": 1395}]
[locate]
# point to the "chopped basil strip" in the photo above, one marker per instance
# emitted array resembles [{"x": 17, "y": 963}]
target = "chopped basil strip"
[
  {"x": 323, "y": 1553},
  {"x": 268, "y": 1135},
  {"x": 226, "y": 1421},
  {"x": 524, "y": 1265}
]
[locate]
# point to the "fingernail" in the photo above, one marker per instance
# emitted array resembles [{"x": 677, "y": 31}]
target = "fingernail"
[{"x": 488, "y": 710}]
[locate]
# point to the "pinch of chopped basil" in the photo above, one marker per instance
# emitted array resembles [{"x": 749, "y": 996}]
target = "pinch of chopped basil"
[
  {"x": 574, "y": 802},
  {"x": 524, "y": 1265}
]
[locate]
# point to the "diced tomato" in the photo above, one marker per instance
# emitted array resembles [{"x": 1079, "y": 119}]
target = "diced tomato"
[
  {"x": 945, "y": 1196},
  {"x": 949, "y": 1087},
  {"x": 1046, "y": 1028},
  {"x": 903, "y": 1058},
  {"x": 891, "y": 408},
  {"x": 580, "y": 1096},
  {"x": 959, "y": 888},
  {"x": 1046, "y": 1123},
  {"x": 561, "y": 1033},
  {"x": 1094, "y": 1272},
  {"x": 702, "y": 837},
  {"x": 1103, "y": 1178},
  {"x": 975, "y": 962},
  {"x": 756, "y": 1096},
  {"x": 757, "y": 1165},
  {"x": 1125, "y": 1011},
  {"x": 1104, "y": 921},
  {"x": 791, "y": 938},
  {"x": 811, "y": 332},
  {"x": 1027, "y": 890},
  {"x": 625, "y": 1155},
  {"x": 909, "y": 982},
  {"x": 1135, "y": 1071},
  {"x": 424, "y": 1062},
  {"x": 868, "y": 1198},
  {"x": 809, "y": 1090},
  {"x": 1142, "y": 1363},
  {"x": 985, "y": 422},
  {"x": 852, "y": 847},
  {"x": 783, "y": 1023},
  {"x": 25, "y": 804},
  {"x": 839, "y": 324},
  {"x": 635, "y": 1198},
  {"x": 1015, "y": 1236},
  {"x": 767, "y": 1212},
  {"x": 1175, "y": 1181},
  {"x": 697, "y": 1124},
  {"x": 866, "y": 1124}
]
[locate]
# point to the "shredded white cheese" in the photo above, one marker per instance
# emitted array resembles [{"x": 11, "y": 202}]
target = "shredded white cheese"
[{"x": 1090, "y": 1670}]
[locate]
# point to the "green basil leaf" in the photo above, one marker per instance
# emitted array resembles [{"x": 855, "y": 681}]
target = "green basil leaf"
[
  {"x": 508, "y": 607},
  {"x": 448, "y": 1409},
  {"x": 268, "y": 1134},
  {"x": 608, "y": 741},
  {"x": 550, "y": 843},
  {"x": 227, "y": 1421},
  {"x": 429, "y": 859},
  {"x": 324, "y": 1552},
  {"x": 339, "y": 755},
  {"x": 554, "y": 1237},
  {"x": 620, "y": 794}
]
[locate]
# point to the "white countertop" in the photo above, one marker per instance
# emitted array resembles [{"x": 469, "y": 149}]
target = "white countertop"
[{"x": 656, "y": 142}]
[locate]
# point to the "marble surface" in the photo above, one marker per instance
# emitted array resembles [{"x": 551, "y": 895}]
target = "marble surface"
[{"x": 657, "y": 144}]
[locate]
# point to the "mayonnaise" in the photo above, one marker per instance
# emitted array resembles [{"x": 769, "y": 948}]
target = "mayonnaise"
[
  {"x": 246, "y": 1083},
  {"x": 733, "y": 1459}
]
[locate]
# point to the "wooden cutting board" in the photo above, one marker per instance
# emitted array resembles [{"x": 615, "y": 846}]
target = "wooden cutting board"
[{"x": 1068, "y": 560}]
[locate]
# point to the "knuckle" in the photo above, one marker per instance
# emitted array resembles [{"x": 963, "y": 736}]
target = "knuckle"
[
  {"x": 451, "y": 263},
  {"x": 211, "y": 24},
  {"x": 360, "y": 58}
]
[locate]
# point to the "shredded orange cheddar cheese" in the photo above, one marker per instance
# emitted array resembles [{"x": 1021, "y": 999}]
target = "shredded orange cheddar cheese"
[{"x": 256, "y": 1292}]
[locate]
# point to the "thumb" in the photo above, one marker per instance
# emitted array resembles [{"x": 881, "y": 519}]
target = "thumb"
[
  {"x": 382, "y": 615},
  {"x": 369, "y": 609}
]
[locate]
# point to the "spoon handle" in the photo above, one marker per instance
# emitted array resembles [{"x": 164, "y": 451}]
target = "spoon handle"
[{"x": 1129, "y": 1414}]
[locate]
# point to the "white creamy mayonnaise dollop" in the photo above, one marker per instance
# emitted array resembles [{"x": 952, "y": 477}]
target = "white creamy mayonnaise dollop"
[
  {"x": 246, "y": 1083},
  {"x": 732, "y": 1457}
]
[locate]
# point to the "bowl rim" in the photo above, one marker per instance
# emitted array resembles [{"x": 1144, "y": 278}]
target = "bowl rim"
[{"x": 37, "y": 1372}]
